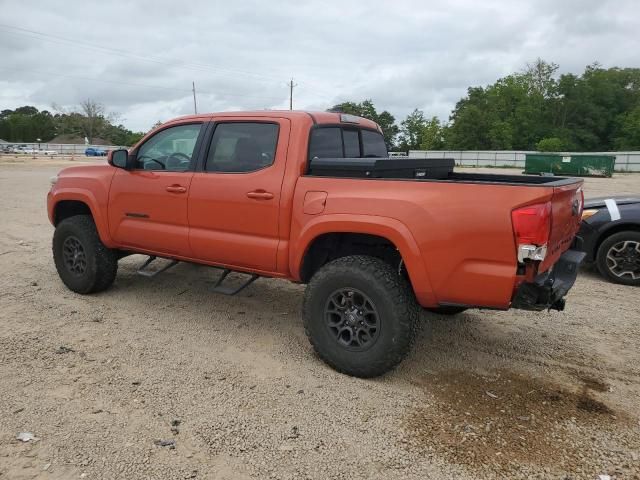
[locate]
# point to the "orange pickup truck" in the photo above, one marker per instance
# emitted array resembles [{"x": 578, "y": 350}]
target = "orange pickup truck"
[{"x": 313, "y": 198}]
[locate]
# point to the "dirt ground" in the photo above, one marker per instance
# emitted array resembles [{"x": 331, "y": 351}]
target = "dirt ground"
[{"x": 233, "y": 389}]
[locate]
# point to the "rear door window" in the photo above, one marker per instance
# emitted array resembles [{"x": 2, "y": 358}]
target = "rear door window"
[{"x": 240, "y": 147}]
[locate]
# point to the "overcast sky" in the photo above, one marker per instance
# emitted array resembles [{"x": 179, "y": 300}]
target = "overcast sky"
[{"x": 139, "y": 58}]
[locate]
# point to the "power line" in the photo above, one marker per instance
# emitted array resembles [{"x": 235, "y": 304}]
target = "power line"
[
  {"x": 202, "y": 67},
  {"x": 115, "y": 82},
  {"x": 124, "y": 53}
]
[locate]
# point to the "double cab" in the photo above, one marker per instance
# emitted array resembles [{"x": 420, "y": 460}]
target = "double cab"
[{"x": 313, "y": 198}]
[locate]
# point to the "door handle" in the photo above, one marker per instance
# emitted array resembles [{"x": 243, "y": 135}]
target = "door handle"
[
  {"x": 260, "y": 195},
  {"x": 176, "y": 189}
]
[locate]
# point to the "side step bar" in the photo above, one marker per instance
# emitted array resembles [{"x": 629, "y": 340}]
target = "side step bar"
[
  {"x": 220, "y": 288},
  {"x": 145, "y": 272}
]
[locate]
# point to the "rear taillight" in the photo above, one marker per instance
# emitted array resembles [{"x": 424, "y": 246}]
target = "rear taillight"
[{"x": 532, "y": 229}]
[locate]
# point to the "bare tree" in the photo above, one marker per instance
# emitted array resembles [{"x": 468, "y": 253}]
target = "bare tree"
[{"x": 95, "y": 117}]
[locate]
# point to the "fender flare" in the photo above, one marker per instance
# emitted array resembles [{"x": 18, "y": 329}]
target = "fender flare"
[
  {"x": 89, "y": 199},
  {"x": 386, "y": 227}
]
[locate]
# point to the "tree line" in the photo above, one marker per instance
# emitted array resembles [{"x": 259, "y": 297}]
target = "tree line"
[
  {"x": 27, "y": 124},
  {"x": 534, "y": 109}
]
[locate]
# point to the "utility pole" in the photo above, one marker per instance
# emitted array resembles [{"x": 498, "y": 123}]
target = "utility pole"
[
  {"x": 195, "y": 107},
  {"x": 291, "y": 85}
]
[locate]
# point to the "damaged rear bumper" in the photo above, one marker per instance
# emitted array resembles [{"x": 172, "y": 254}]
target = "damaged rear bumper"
[{"x": 548, "y": 289}]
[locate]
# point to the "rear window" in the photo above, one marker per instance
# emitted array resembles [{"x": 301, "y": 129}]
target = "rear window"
[
  {"x": 373, "y": 144},
  {"x": 337, "y": 142},
  {"x": 351, "y": 143}
]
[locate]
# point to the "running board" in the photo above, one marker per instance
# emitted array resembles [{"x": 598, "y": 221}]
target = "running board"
[
  {"x": 219, "y": 288},
  {"x": 145, "y": 272}
]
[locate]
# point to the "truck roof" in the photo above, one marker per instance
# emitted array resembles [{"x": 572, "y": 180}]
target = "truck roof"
[{"x": 320, "y": 118}]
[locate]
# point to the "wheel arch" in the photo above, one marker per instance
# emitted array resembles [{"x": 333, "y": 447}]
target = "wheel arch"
[
  {"x": 612, "y": 230},
  {"x": 70, "y": 203},
  {"x": 69, "y": 208},
  {"x": 334, "y": 236}
]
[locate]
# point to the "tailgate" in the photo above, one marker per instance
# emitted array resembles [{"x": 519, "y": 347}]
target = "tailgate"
[{"x": 566, "y": 212}]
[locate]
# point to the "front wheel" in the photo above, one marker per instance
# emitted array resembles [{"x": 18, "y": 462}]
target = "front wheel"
[
  {"x": 360, "y": 315},
  {"x": 84, "y": 264},
  {"x": 618, "y": 258}
]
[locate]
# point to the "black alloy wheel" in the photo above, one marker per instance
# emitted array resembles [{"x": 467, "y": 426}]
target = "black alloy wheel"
[{"x": 352, "y": 319}]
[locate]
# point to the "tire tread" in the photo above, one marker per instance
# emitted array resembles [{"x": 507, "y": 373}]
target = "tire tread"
[
  {"x": 404, "y": 302},
  {"x": 106, "y": 260}
]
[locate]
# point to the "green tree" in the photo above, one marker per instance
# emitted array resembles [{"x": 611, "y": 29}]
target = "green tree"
[
  {"x": 588, "y": 112},
  {"x": 27, "y": 124},
  {"x": 628, "y": 136},
  {"x": 433, "y": 135},
  {"x": 412, "y": 130},
  {"x": 551, "y": 144},
  {"x": 470, "y": 122}
]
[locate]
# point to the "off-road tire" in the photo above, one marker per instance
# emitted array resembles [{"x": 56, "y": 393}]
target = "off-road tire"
[
  {"x": 601, "y": 257},
  {"x": 101, "y": 262},
  {"x": 394, "y": 302},
  {"x": 447, "y": 310}
]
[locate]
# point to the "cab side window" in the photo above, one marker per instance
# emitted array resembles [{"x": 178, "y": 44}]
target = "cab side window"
[
  {"x": 170, "y": 149},
  {"x": 326, "y": 143},
  {"x": 241, "y": 147}
]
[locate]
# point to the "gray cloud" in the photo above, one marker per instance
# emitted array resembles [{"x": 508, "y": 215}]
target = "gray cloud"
[{"x": 139, "y": 58}]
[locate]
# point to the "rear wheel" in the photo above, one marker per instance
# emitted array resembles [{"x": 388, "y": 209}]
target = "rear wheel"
[
  {"x": 360, "y": 315},
  {"x": 84, "y": 264},
  {"x": 618, "y": 258}
]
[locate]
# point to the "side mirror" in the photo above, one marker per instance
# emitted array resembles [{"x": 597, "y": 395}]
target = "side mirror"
[{"x": 119, "y": 158}]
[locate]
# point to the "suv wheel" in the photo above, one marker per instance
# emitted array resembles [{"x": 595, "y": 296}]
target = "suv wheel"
[
  {"x": 84, "y": 264},
  {"x": 360, "y": 315},
  {"x": 618, "y": 258}
]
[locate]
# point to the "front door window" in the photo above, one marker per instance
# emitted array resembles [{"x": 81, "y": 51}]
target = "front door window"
[{"x": 170, "y": 150}]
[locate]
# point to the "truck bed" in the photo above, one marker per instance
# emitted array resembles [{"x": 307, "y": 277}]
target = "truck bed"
[{"x": 421, "y": 170}]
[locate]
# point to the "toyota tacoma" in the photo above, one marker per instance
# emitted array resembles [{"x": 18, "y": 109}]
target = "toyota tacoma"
[{"x": 314, "y": 198}]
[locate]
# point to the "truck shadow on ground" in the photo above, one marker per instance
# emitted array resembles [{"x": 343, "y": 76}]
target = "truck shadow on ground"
[{"x": 480, "y": 340}]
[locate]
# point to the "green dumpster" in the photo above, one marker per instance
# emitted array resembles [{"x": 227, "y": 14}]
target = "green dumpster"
[{"x": 581, "y": 165}]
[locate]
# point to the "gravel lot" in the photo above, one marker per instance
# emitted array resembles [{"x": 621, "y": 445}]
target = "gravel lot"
[{"x": 100, "y": 380}]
